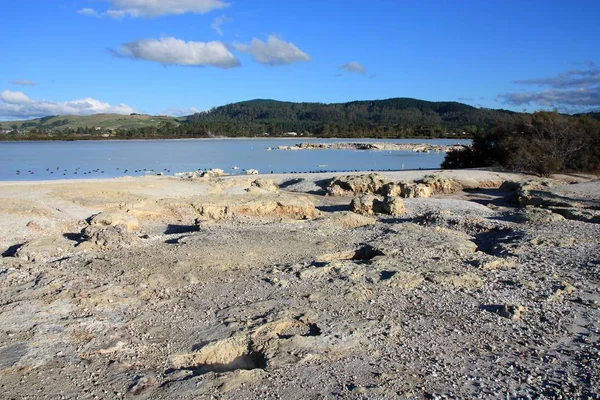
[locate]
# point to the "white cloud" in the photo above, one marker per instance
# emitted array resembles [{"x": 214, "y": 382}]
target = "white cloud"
[
  {"x": 218, "y": 23},
  {"x": 353, "y": 67},
  {"x": 155, "y": 8},
  {"x": 17, "y": 105},
  {"x": 89, "y": 12},
  {"x": 14, "y": 97},
  {"x": 23, "y": 82},
  {"x": 273, "y": 52},
  {"x": 570, "y": 91},
  {"x": 172, "y": 51}
]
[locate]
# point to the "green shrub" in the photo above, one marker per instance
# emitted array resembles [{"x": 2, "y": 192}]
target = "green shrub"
[{"x": 542, "y": 143}]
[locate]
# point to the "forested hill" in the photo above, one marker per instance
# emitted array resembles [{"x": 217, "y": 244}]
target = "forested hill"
[
  {"x": 391, "y": 117},
  {"x": 594, "y": 115}
]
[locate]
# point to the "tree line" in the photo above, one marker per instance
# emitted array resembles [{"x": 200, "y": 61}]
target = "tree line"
[{"x": 392, "y": 118}]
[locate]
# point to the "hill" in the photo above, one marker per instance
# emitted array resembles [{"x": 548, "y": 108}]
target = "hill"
[
  {"x": 391, "y": 117},
  {"x": 104, "y": 121},
  {"x": 594, "y": 115},
  {"x": 396, "y": 117}
]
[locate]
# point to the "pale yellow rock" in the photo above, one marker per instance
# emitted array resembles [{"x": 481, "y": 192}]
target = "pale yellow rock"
[
  {"x": 441, "y": 184},
  {"x": 393, "y": 206},
  {"x": 45, "y": 248},
  {"x": 355, "y": 185},
  {"x": 415, "y": 190},
  {"x": 363, "y": 204},
  {"x": 213, "y": 211},
  {"x": 287, "y": 207},
  {"x": 113, "y": 218},
  {"x": 222, "y": 352},
  {"x": 266, "y": 184}
]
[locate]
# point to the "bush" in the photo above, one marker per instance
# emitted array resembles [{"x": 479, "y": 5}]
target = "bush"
[{"x": 543, "y": 143}]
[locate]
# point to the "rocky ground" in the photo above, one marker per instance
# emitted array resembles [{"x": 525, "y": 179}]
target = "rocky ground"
[
  {"x": 464, "y": 284},
  {"x": 416, "y": 147}
]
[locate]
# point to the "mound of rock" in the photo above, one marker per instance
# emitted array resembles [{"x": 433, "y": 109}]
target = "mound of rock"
[
  {"x": 110, "y": 229},
  {"x": 527, "y": 193},
  {"x": 286, "y": 207},
  {"x": 352, "y": 185},
  {"x": 266, "y": 184},
  {"x": 414, "y": 190},
  {"x": 368, "y": 204},
  {"x": 44, "y": 248},
  {"x": 113, "y": 218},
  {"x": 363, "y": 204},
  {"x": 280, "y": 207},
  {"x": 542, "y": 203},
  {"x": 110, "y": 236},
  {"x": 393, "y": 206},
  {"x": 213, "y": 211},
  {"x": 441, "y": 184}
]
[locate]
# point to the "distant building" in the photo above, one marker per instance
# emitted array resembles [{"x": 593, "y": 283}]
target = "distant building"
[{"x": 290, "y": 134}]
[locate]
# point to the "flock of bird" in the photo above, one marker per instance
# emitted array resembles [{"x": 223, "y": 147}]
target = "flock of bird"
[
  {"x": 126, "y": 171},
  {"x": 78, "y": 170}
]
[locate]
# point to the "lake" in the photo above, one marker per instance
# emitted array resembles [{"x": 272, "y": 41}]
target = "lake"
[{"x": 112, "y": 158}]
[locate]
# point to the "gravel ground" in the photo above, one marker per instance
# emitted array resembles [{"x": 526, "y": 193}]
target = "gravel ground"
[{"x": 463, "y": 296}]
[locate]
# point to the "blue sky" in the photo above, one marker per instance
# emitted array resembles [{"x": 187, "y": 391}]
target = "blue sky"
[{"x": 178, "y": 56}]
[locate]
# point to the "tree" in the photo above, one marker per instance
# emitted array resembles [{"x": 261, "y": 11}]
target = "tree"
[{"x": 543, "y": 143}]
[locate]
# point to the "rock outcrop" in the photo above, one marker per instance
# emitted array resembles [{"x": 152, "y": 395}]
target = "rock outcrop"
[
  {"x": 393, "y": 206},
  {"x": 368, "y": 204},
  {"x": 441, "y": 184},
  {"x": 213, "y": 211},
  {"x": 363, "y": 204},
  {"x": 113, "y": 218},
  {"x": 416, "y": 147},
  {"x": 277, "y": 207},
  {"x": 110, "y": 229},
  {"x": 414, "y": 190},
  {"x": 44, "y": 248},
  {"x": 542, "y": 195},
  {"x": 352, "y": 185},
  {"x": 266, "y": 184},
  {"x": 284, "y": 207}
]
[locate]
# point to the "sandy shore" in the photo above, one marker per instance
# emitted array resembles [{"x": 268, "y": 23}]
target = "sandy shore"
[{"x": 267, "y": 287}]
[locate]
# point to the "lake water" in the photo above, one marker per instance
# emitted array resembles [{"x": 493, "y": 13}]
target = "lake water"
[{"x": 99, "y": 159}]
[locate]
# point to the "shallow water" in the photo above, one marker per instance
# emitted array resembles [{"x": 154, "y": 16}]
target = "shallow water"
[{"x": 99, "y": 159}]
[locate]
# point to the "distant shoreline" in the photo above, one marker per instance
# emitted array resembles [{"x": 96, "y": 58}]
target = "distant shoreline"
[{"x": 292, "y": 138}]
